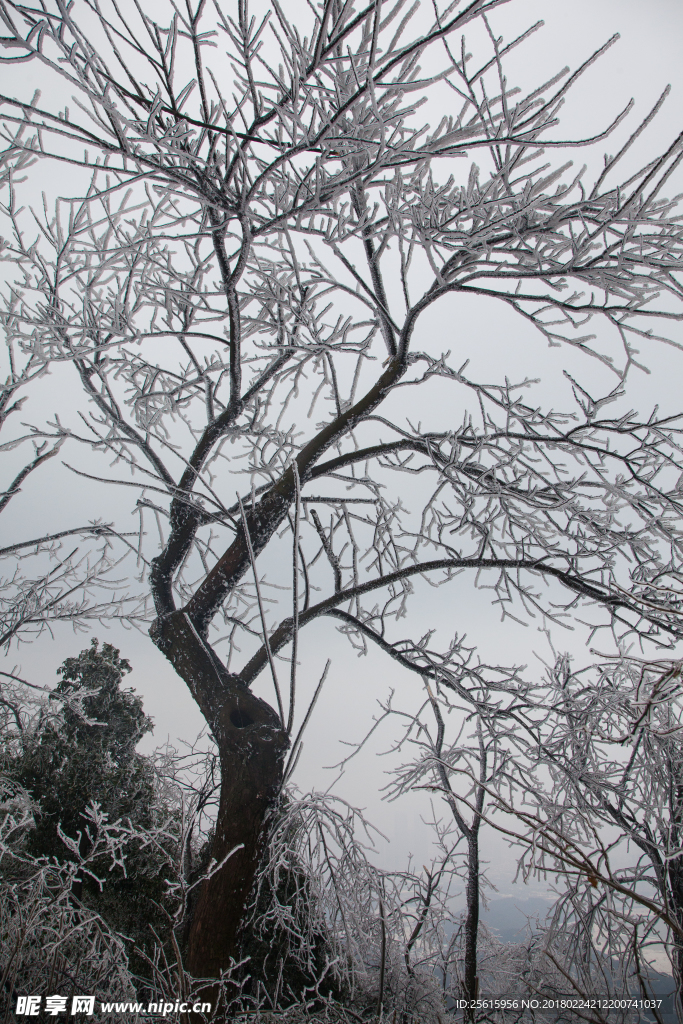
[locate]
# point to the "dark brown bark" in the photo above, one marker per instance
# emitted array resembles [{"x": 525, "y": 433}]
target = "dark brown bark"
[
  {"x": 251, "y": 766},
  {"x": 251, "y": 745}
]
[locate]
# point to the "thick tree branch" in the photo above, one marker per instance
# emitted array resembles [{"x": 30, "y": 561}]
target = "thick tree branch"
[
  {"x": 281, "y": 636},
  {"x": 272, "y": 508}
]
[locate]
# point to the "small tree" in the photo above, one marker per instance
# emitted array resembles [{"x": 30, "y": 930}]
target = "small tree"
[
  {"x": 467, "y": 734},
  {"x": 612, "y": 743},
  {"x": 129, "y": 872},
  {"x": 82, "y": 755},
  {"x": 87, "y": 754},
  {"x": 222, "y": 291}
]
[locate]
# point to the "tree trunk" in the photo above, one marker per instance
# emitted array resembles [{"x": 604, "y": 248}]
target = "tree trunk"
[
  {"x": 251, "y": 745},
  {"x": 471, "y": 981},
  {"x": 251, "y": 776}
]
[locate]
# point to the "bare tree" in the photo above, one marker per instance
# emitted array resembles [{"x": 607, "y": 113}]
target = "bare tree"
[
  {"x": 611, "y": 743},
  {"x": 494, "y": 748},
  {"x": 467, "y": 769},
  {"x": 220, "y": 290}
]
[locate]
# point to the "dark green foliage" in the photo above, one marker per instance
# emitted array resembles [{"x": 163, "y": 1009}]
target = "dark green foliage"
[
  {"x": 86, "y": 754},
  {"x": 77, "y": 759}
]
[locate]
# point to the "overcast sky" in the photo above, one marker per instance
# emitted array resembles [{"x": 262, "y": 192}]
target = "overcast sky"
[{"x": 646, "y": 59}]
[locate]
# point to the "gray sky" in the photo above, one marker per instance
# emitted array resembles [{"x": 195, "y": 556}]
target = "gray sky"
[{"x": 645, "y": 60}]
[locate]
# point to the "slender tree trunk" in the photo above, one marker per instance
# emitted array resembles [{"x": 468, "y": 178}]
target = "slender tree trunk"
[
  {"x": 251, "y": 745},
  {"x": 471, "y": 981}
]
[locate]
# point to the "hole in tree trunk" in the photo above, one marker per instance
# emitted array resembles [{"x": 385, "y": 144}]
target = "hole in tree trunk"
[{"x": 240, "y": 719}]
